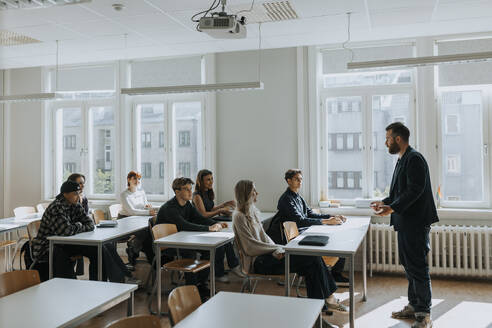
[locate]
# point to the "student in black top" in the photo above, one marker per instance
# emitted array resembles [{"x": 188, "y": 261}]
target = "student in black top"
[
  {"x": 292, "y": 207},
  {"x": 203, "y": 199},
  {"x": 411, "y": 205},
  {"x": 180, "y": 212}
]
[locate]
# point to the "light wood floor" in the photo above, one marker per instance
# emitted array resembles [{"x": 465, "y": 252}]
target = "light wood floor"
[{"x": 456, "y": 302}]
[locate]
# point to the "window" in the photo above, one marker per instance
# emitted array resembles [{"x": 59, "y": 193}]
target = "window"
[
  {"x": 463, "y": 173},
  {"x": 184, "y": 138},
  {"x": 69, "y": 142},
  {"x": 70, "y": 168},
  {"x": 161, "y": 170},
  {"x": 161, "y": 139},
  {"x": 355, "y": 158},
  {"x": 184, "y": 169},
  {"x": 146, "y": 139},
  {"x": 146, "y": 170},
  {"x": 93, "y": 125}
]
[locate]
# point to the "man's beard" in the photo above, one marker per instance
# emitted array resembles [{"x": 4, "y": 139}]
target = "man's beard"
[{"x": 394, "y": 148}]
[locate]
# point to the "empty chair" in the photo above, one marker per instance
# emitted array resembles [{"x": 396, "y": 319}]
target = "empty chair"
[
  {"x": 6, "y": 244},
  {"x": 41, "y": 207},
  {"x": 11, "y": 282},
  {"x": 98, "y": 215},
  {"x": 182, "y": 301},
  {"x": 24, "y": 211},
  {"x": 136, "y": 321},
  {"x": 114, "y": 210}
]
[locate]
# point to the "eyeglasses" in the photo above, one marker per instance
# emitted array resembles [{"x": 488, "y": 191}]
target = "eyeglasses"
[{"x": 185, "y": 189}]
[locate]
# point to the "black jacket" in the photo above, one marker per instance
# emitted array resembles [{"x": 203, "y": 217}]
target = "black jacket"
[
  {"x": 410, "y": 194},
  {"x": 186, "y": 218}
]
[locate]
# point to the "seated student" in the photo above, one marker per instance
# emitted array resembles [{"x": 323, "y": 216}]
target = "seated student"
[
  {"x": 292, "y": 207},
  {"x": 263, "y": 256},
  {"x": 180, "y": 212},
  {"x": 65, "y": 216},
  {"x": 203, "y": 199},
  {"x": 134, "y": 202}
]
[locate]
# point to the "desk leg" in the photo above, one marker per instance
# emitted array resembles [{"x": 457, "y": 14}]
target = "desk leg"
[
  {"x": 321, "y": 319},
  {"x": 287, "y": 273},
  {"x": 99, "y": 263},
  {"x": 364, "y": 269},
  {"x": 50, "y": 261},
  {"x": 212, "y": 272},
  {"x": 158, "y": 277},
  {"x": 351, "y": 291},
  {"x": 131, "y": 302}
]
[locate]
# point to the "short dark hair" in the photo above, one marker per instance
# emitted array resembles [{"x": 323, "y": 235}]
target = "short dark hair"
[
  {"x": 180, "y": 182},
  {"x": 75, "y": 176},
  {"x": 399, "y": 129},
  {"x": 292, "y": 173}
]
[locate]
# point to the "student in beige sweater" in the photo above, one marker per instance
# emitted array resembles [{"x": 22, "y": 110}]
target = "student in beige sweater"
[{"x": 263, "y": 256}]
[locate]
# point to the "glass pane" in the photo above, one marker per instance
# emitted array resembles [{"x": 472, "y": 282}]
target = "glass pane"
[
  {"x": 462, "y": 140},
  {"x": 345, "y": 158},
  {"x": 151, "y": 153},
  {"x": 102, "y": 149},
  {"x": 367, "y": 78},
  {"x": 72, "y": 141},
  {"x": 187, "y": 139},
  {"x": 386, "y": 109}
]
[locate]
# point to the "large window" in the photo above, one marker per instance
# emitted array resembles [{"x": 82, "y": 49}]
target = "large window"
[
  {"x": 179, "y": 152},
  {"x": 354, "y": 161},
  {"x": 463, "y": 148},
  {"x": 85, "y": 144}
]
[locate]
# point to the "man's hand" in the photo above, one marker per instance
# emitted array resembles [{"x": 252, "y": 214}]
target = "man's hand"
[
  {"x": 341, "y": 217},
  {"x": 278, "y": 256},
  {"x": 224, "y": 225},
  {"x": 376, "y": 206},
  {"x": 332, "y": 221},
  {"x": 215, "y": 227},
  {"x": 384, "y": 210}
]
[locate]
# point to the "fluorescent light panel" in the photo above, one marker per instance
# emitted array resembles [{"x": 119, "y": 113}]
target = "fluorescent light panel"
[
  {"x": 422, "y": 61},
  {"x": 193, "y": 88},
  {"x": 62, "y": 95},
  {"x": 28, "y": 97}
]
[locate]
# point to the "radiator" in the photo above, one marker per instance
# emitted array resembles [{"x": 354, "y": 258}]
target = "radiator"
[{"x": 455, "y": 250}]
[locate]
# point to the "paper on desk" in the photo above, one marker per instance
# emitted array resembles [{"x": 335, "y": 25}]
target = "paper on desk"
[
  {"x": 217, "y": 234},
  {"x": 8, "y": 226},
  {"x": 350, "y": 224}
]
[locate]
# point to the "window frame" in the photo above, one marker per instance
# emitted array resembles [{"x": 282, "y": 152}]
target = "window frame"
[
  {"x": 486, "y": 139},
  {"x": 366, "y": 93},
  {"x": 170, "y": 138}
]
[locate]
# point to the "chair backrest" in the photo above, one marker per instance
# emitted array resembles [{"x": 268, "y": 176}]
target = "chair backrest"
[
  {"x": 14, "y": 281},
  {"x": 23, "y": 211},
  {"x": 33, "y": 228},
  {"x": 182, "y": 301},
  {"x": 41, "y": 207},
  {"x": 114, "y": 210},
  {"x": 98, "y": 216},
  {"x": 163, "y": 230},
  {"x": 137, "y": 321},
  {"x": 290, "y": 230}
]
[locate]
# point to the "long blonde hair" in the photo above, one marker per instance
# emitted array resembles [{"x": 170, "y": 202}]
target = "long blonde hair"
[{"x": 244, "y": 200}]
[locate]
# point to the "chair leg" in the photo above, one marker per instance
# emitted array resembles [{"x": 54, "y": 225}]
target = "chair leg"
[
  {"x": 254, "y": 286},
  {"x": 151, "y": 297},
  {"x": 245, "y": 282},
  {"x": 299, "y": 282}
]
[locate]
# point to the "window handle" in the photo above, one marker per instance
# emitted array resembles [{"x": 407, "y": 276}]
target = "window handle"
[{"x": 485, "y": 149}]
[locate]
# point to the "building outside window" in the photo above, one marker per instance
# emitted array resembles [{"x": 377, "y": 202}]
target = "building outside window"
[
  {"x": 146, "y": 170},
  {"x": 70, "y": 142},
  {"x": 146, "y": 139},
  {"x": 184, "y": 138}
]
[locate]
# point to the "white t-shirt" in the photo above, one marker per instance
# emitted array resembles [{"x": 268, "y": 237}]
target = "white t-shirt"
[{"x": 133, "y": 203}]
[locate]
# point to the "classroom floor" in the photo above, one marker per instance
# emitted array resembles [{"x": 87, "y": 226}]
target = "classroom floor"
[{"x": 456, "y": 302}]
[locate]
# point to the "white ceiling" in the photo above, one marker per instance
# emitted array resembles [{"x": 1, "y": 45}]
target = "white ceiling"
[{"x": 95, "y": 32}]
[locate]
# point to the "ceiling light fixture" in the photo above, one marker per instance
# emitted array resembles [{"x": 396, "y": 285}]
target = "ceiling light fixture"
[{"x": 421, "y": 61}]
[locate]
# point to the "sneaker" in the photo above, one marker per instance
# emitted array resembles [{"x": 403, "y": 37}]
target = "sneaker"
[
  {"x": 223, "y": 279},
  {"x": 132, "y": 280},
  {"x": 237, "y": 271},
  {"x": 130, "y": 267},
  {"x": 337, "y": 307},
  {"x": 341, "y": 280},
  {"x": 407, "y": 312},
  {"x": 422, "y": 321}
]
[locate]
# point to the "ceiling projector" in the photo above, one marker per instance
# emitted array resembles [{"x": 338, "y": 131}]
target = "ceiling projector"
[{"x": 223, "y": 26}]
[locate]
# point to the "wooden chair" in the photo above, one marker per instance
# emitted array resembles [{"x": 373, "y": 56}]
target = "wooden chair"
[
  {"x": 98, "y": 215},
  {"x": 11, "y": 282},
  {"x": 41, "y": 207},
  {"x": 182, "y": 301},
  {"x": 32, "y": 231},
  {"x": 251, "y": 279},
  {"x": 136, "y": 321},
  {"x": 6, "y": 245},
  {"x": 114, "y": 210},
  {"x": 21, "y": 212},
  {"x": 179, "y": 265}
]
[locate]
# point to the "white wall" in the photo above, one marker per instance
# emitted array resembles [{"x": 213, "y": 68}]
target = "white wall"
[
  {"x": 22, "y": 142},
  {"x": 1, "y": 144},
  {"x": 257, "y": 130}
]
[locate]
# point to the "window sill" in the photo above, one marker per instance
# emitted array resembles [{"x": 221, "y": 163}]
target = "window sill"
[{"x": 444, "y": 213}]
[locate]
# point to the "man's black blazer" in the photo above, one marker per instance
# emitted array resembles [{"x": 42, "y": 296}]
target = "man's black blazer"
[{"x": 411, "y": 194}]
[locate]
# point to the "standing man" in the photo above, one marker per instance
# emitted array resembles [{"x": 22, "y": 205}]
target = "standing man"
[{"x": 412, "y": 209}]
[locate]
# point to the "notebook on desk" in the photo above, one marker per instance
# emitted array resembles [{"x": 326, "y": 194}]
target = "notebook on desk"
[
  {"x": 314, "y": 240},
  {"x": 107, "y": 224}
]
